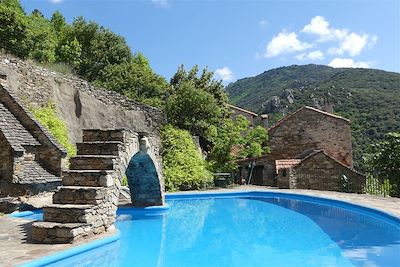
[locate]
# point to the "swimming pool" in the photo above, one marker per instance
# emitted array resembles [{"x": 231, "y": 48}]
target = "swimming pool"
[{"x": 249, "y": 229}]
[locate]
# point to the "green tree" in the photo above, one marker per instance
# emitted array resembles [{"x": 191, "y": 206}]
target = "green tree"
[
  {"x": 204, "y": 82},
  {"x": 383, "y": 160},
  {"x": 70, "y": 52},
  {"x": 134, "y": 81},
  {"x": 13, "y": 28},
  {"x": 184, "y": 168},
  {"x": 236, "y": 133},
  {"x": 58, "y": 22},
  {"x": 194, "y": 110},
  {"x": 42, "y": 38}
]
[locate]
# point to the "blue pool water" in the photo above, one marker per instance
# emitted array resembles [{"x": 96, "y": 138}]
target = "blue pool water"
[{"x": 249, "y": 231}]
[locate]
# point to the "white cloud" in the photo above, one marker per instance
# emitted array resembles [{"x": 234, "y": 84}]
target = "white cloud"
[
  {"x": 313, "y": 55},
  {"x": 225, "y": 74},
  {"x": 263, "y": 23},
  {"x": 284, "y": 43},
  {"x": 318, "y": 26},
  {"x": 353, "y": 44},
  {"x": 348, "y": 63},
  {"x": 348, "y": 42},
  {"x": 161, "y": 3},
  {"x": 56, "y": 1}
]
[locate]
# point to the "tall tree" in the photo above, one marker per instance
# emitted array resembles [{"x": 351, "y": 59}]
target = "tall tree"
[
  {"x": 13, "y": 28},
  {"x": 205, "y": 81},
  {"x": 42, "y": 38},
  {"x": 194, "y": 110}
]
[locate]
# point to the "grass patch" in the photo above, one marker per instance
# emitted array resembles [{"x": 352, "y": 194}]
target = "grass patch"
[{"x": 59, "y": 67}]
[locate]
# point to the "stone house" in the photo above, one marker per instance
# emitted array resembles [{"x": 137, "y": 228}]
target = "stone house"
[
  {"x": 30, "y": 158},
  {"x": 250, "y": 116},
  {"x": 314, "y": 145}
]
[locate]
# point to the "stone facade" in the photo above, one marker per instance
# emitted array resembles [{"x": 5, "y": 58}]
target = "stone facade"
[
  {"x": 86, "y": 204},
  {"x": 30, "y": 158},
  {"x": 321, "y": 172},
  {"x": 250, "y": 116},
  {"x": 296, "y": 138},
  {"x": 310, "y": 129}
]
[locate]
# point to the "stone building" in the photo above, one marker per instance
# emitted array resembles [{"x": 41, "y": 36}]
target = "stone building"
[
  {"x": 314, "y": 145},
  {"x": 250, "y": 116},
  {"x": 30, "y": 158}
]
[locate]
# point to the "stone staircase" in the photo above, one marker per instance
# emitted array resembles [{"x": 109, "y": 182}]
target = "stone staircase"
[{"x": 86, "y": 203}]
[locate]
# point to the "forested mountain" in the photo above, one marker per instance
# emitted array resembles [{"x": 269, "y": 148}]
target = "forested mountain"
[{"x": 369, "y": 98}]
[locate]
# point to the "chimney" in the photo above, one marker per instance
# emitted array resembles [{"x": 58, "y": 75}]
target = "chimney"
[{"x": 264, "y": 121}]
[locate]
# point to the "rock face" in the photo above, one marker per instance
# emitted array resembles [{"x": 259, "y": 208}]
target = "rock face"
[
  {"x": 272, "y": 105},
  {"x": 86, "y": 204}
]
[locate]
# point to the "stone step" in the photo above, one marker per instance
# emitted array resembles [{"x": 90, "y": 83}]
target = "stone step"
[
  {"x": 70, "y": 213},
  {"x": 92, "y": 162},
  {"x": 51, "y": 232},
  {"x": 100, "y": 148},
  {"x": 94, "y": 135},
  {"x": 87, "y": 178},
  {"x": 84, "y": 195}
]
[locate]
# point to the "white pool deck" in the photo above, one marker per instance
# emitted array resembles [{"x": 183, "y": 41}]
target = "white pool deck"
[{"x": 15, "y": 248}]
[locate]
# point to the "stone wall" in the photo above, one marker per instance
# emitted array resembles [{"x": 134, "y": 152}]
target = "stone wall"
[
  {"x": 6, "y": 165},
  {"x": 268, "y": 170},
  {"x": 79, "y": 104},
  {"x": 320, "y": 172},
  {"x": 309, "y": 129},
  {"x": 236, "y": 111}
]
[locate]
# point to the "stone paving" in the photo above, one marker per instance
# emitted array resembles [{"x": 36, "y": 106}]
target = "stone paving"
[
  {"x": 15, "y": 246},
  {"x": 16, "y": 249}
]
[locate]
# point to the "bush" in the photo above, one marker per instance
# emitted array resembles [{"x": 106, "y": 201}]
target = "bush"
[
  {"x": 47, "y": 116},
  {"x": 184, "y": 168},
  {"x": 374, "y": 187}
]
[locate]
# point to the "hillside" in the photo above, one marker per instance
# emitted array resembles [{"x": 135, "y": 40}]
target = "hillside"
[{"x": 369, "y": 98}]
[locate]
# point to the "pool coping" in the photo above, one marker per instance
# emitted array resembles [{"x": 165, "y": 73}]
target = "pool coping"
[{"x": 58, "y": 256}]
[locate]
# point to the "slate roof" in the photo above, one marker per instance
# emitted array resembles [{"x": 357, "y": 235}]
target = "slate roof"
[
  {"x": 242, "y": 110},
  {"x": 13, "y": 131},
  {"x": 32, "y": 172}
]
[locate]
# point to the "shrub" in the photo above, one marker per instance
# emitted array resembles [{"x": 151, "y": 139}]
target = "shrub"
[
  {"x": 48, "y": 117},
  {"x": 374, "y": 187},
  {"x": 184, "y": 168}
]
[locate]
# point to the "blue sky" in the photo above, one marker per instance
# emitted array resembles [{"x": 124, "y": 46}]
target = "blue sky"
[{"x": 238, "y": 39}]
